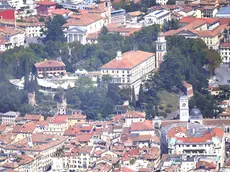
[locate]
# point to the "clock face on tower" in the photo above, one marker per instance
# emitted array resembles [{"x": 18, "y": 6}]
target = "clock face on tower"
[{"x": 183, "y": 104}]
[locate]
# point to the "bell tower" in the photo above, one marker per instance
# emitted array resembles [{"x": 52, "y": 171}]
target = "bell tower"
[
  {"x": 184, "y": 108},
  {"x": 108, "y": 7},
  {"x": 160, "y": 49}
]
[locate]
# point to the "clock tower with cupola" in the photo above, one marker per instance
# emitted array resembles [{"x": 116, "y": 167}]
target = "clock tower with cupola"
[{"x": 184, "y": 108}]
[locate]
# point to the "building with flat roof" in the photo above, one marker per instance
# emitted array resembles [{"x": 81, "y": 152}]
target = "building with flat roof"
[
  {"x": 224, "y": 12},
  {"x": 157, "y": 17},
  {"x": 130, "y": 68},
  {"x": 118, "y": 17}
]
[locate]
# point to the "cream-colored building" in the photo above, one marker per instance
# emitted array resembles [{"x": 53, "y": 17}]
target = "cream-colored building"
[
  {"x": 79, "y": 27},
  {"x": 80, "y": 160},
  {"x": 50, "y": 67},
  {"x": 57, "y": 125},
  {"x": 11, "y": 37},
  {"x": 225, "y": 52},
  {"x": 40, "y": 145},
  {"x": 130, "y": 68},
  {"x": 209, "y": 30},
  {"x": 9, "y": 118},
  {"x": 195, "y": 140},
  {"x": 33, "y": 28}
]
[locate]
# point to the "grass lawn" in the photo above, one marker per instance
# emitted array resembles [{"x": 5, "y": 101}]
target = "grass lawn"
[{"x": 168, "y": 102}]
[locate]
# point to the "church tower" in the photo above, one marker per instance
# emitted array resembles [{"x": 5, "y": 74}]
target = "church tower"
[
  {"x": 184, "y": 108},
  {"x": 160, "y": 49},
  {"x": 108, "y": 7}
]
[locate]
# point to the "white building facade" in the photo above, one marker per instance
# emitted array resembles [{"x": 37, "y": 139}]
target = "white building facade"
[
  {"x": 157, "y": 17},
  {"x": 225, "y": 52},
  {"x": 130, "y": 68}
]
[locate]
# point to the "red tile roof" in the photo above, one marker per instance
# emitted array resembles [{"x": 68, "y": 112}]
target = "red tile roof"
[
  {"x": 225, "y": 45},
  {"x": 60, "y": 119},
  {"x": 141, "y": 126},
  {"x": 77, "y": 116},
  {"x": 126, "y": 169},
  {"x": 192, "y": 19},
  {"x": 134, "y": 114},
  {"x": 207, "y": 165},
  {"x": 215, "y": 132},
  {"x": 32, "y": 117},
  {"x": 83, "y": 137},
  {"x": 187, "y": 85},
  {"x": 2, "y": 127},
  {"x": 129, "y": 60},
  {"x": 26, "y": 128},
  {"x": 48, "y": 3},
  {"x": 60, "y": 11},
  {"x": 125, "y": 31},
  {"x": 49, "y": 63},
  {"x": 72, "y": 131},
  {"x": 82, "y": 20}
]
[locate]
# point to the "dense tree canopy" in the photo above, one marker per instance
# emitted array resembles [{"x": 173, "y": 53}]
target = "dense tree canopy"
[
  {"x": 185, "y": 60},
  {"x": 54, "y": 30}
]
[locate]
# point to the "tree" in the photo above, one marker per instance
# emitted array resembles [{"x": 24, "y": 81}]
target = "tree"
[
  {"x": 207, "y": 105},
  {"x": 133, "y": 98},
  {"x": 54, "y": 31},
  {"x": 141, "y": 96},
  {"x": 104, "y": 30},
  {"x": 170, "y": 25},
  {"x": 213, "y": 60}
]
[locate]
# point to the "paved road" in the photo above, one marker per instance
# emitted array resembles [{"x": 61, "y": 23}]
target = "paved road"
[{"x": 222, "y": 75}]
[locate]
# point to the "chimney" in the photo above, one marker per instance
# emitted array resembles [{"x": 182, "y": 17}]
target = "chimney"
[{"x": 119, "y": 55}]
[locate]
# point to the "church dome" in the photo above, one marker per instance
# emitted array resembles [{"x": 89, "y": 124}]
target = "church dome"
[{"x": 195, "y": 113}]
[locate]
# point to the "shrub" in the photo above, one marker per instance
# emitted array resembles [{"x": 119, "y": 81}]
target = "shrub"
[
  {"x": 163, "y": 114},
  {"x": 161, "y": 107},
  {"x": 168, "y": 111},
  {"x": 169, "y": 106}
]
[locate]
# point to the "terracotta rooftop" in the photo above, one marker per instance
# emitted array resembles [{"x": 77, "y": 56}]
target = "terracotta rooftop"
[
  {"x": 60, "y": 119},
  {"x": 83, "y": 137},
  {"x": 60, "y": 11},
  {"x": 122, "y": 30},
  {"x": 135, "y": 13},
  {"x": 207, "y": 165},
  {"x": 225, "y": 45},
  {"x": 141, "y": 126},
  {"x": 49, "y": 63},
  {"x": 216, "y": 122},
  {"x": 77, "y": 116},
  {"x": 129, "y": 60},
  {"x": 26, "y": 128},
  {"x": 82, "y": 20},
  {"x": 45, "y": 2},
  {"x": 10, "y": 31},
  {"x": 126, "y": 169},
  {"x": 215, "y": 132},
  {"x": 32, "y": 117},
  {"x": 207, "y": 20},
  {"x": 187, "y": 85},
  {"x": 134, "y": 114}
]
